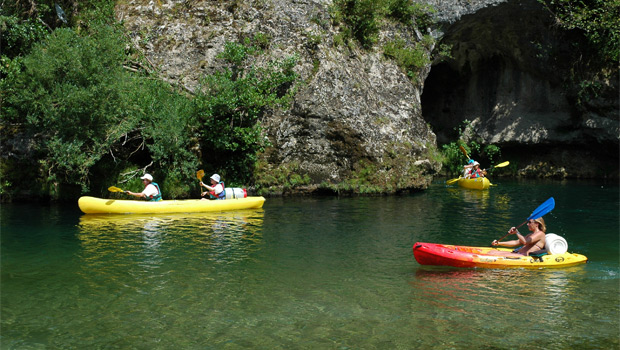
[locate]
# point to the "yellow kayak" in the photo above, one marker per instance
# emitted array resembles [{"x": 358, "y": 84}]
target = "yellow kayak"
[
  {"x": 480, "y": 183},
  {"x": 93, "y": 205}
]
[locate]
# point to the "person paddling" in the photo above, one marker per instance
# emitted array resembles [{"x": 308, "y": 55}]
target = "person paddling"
[
  {"x": 530, "y": 243},
  {"x": 467, "y": 168},
  {"x": 216, "y": 190},
  {"x": 475, "y": 171},
  {"x": 151, "y": 190}
]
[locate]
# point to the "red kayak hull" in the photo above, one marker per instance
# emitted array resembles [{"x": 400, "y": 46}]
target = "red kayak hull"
[{"x": 463, "y": 256}]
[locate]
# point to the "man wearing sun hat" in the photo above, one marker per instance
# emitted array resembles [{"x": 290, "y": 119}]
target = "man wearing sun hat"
[
  {"x": 216, "y": 190},
  {"x": 475, "y": 171},
  {"x": 151, "y": 190},
  {"x": 467, "y": 168}
]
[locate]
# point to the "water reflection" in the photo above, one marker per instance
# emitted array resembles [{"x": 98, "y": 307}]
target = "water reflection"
[
  {"x": 224, "y": 236},
  {"x": 479, "y": 198}
]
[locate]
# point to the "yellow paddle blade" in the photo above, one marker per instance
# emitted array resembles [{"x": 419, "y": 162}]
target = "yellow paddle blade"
[
  {"x": 501, "y": 165},
  {"x": 114, "y": 189},
  {"x": 451, "y": 181},
  {"x": 200, "y": 174},
  {"x": 464, "y": 151}
]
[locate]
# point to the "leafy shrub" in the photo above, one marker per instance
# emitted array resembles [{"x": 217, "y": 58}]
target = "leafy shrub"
[
  {"x": 410, "y": 59},
  {"x": 230, "y": 104},
  {"x": 454, "y": 158},
  {"x": 410, "y": 13},
  {"x": 361, "y": 17},
  {"x": 596, "y": 19},
  {"x": 72, "y": 95},
  {"x": 18, "y": 36},
  {"x": 95, "y": 123},
  {"x": 69, "y": 92}
]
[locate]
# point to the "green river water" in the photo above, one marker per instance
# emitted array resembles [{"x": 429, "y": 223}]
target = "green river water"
[{"x": 311, "y": 273}]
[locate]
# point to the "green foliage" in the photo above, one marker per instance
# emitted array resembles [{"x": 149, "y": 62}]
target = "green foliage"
[
  {"x": 230, "y": 104},
  {"x": 262, "y": 40},
  {"x": 593, "y": 29},
  {"x": 70, "y": 93},
  {"x": 237, "y": 53},
  {"x": 361, "y": 18},
  {"x": 73, "y": 96},
  {"x": 410, "y": 59},
  {"x": 454, "y": 158},
  {"x": 283, "y": 178},
  {"x": 493, "y": 153},
  {"x": 75, "y": 14},
  {"x": 597, "y": 19},
  {"x": 361, "y": 21},
  {"x": 18, "y": 36},
  {"x": 410, "y": 13},
  {"x": 94, "y": 123}
]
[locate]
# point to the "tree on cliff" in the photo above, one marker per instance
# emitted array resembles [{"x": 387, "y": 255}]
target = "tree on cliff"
[{"x": 77, "y": 114}]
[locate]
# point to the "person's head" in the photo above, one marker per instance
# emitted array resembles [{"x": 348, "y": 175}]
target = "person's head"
[
  {"x": 215, "y": 178},
  {"x": 147, "y": 178},
  {"x": 540, "y": 223},
  {"x": 476, "y": 164}
]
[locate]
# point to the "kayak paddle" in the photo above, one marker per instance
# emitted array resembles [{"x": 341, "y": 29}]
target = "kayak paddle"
[
  {"x": 500, "y": 165},
  {"x": 115, "y": 189},
  {"x": 451, "y": 181},
  {"x": 543, "y": 209},
  {"x": 200, "y": 174},
  {"x": 464, "y": 151}
]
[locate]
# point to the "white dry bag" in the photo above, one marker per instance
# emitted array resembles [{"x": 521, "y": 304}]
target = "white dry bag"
[
  {"x": 555, "y": 244},
  {"x": 234, "y": 192}
]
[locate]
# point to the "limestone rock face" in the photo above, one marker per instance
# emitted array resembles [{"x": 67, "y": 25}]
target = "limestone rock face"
[
  {"x": 356, "y": 109},
  {"x": 358, "y": 112}
]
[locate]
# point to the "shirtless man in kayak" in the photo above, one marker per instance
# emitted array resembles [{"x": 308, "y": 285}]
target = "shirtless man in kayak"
[{"x": 530, "y": 243}]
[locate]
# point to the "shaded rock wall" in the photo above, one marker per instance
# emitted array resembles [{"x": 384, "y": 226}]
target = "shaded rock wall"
[{"x": 508, "y": 76}]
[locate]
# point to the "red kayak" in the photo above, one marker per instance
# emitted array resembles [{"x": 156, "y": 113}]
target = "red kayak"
[{"x": 463, "y": 256}]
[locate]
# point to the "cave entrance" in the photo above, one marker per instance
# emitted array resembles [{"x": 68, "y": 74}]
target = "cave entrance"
[{"x": 451, "y": 95}]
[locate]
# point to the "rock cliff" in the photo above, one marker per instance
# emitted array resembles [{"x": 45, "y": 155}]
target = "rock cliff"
[
  {"x": 358, "y": 112},
  {"x": 508, "y": 76}
]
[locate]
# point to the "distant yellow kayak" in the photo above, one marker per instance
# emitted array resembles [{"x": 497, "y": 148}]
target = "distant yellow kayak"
[
  {"x": 93, "y": 205},
  {"x": 480, "y": 183}
]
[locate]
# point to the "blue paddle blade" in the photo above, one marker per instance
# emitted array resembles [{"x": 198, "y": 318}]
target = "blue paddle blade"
[{"x": 543, "y": 209}]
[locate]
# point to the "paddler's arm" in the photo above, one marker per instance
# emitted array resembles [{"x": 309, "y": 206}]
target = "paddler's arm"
[
  {"x": 207, "y": 187},
  {"x": 513, "y": 243},
  {"x": 136, "y": 194}
]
